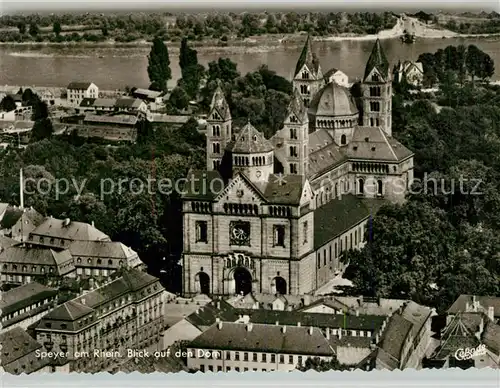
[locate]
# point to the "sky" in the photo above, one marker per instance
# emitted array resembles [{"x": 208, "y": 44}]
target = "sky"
[{"x": 61, "y": 6}]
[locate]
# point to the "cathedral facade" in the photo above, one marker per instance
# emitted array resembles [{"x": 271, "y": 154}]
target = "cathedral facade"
[{"x": 275, "y": 215}]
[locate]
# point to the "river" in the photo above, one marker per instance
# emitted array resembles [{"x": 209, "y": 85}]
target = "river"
[{"x": 116, "y": 67}]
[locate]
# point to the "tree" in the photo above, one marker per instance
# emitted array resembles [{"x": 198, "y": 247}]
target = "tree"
[
  {"x": 33, "y": 29},
  {"x": 42, "y": 130},
  {"x": 159, "y": 65},
  {"x": 21, "y": 26},
  {"x": 179, "y": 98},
  {"x": 192, "y": 72},
  {"x": 56, "y": 27},
  {"x": 319, "y": 365},
  {"x": 7, "y": 104}
]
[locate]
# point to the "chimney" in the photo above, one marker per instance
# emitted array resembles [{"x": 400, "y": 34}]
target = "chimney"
[
  {"x": 93, "y": 224},
  {"x": 376, "y": 338},
  {"x": 219, "y": 325},
  {"x": 21, "y": 188},
  {"x": 307, "y": 300},
  {"x": 340, "y": 333},
  {"x": 491, "y": 313},
  {"x": 283, "y": 329},
  {"x": 218, "y": 305},
  {"x": 249, "y": 327},
  {"x": 217, "y": 319},
  {"x": 277, "y": 323},
  {"x": 357, "y": 313},
  {"x": 82, "y": 301},
  {"x": 467, "y": 307},
  {"x": 298, "y": 324},
  {"x": 310, "y": 330},
  {"x": 327, "y": 333}
]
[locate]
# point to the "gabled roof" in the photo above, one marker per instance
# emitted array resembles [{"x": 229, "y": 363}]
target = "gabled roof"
[
  {"x": 308, "y": 58},
  {"x": 250, "y": 141},
  {"x": 391, "y": 346},
  {"x": 207, "y": 315},
  {"x": 104, "y": 102},
  {"x": 18, "y": 352},
  {"x": 103, "y": 249},
  {"x": 79, "y": 85},
  {"x": 23, "y": 296},
  {"x": 219, "y": 103},
  {"x": 372, "y": 143},
  {"x": 35, "y": 255},
  {"x": 128, "y": 103},
  {"x": 70, "y": 230},
  {"x": 147, "y": 93},
  {"x": 377, "y": 60},
  {"x": 87, "y": 102},
  {"x": 264, "y": 338}
]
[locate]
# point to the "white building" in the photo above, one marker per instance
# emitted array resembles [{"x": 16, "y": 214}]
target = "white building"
[
  {"x": 244, "y": 347},
  {"x": 413, "y": 72},
  {"x": 77, "y": 91}
]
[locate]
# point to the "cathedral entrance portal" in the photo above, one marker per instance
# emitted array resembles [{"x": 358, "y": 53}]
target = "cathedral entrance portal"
[{"x": 243, "y": 281}]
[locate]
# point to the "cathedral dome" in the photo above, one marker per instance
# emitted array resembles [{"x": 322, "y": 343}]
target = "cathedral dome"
[{"x": 333, "y": 100}]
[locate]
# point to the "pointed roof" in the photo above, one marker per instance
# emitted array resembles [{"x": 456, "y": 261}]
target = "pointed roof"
[
  {"x": 377, "y": 60},
  {"x": 250, "y": 141},
  {"x": 297, "y": 107},
  {"x": 219, "y": 102},
  {"x": 307, "y": 58},
  {"x": 69, "y": 311}
]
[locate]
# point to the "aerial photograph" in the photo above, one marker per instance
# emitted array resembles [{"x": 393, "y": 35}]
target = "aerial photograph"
[{"x": 249, "y": 189}]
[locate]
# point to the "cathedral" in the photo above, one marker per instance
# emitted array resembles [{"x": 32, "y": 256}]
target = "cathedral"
[{"x": 275, "y": 215}]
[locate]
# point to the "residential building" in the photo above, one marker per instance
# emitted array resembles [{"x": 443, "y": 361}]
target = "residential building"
[
  {"x": 412, "y": 72},
  {"x": 150, "y": 96},
  {"x": 17, "y": 222},
  {"x": 77, "y": 91},
  {"x": 102, "y": 258},
  {"x": 275, "y": 215},
  {"x": 337, "y": 76},
  {"x": 118, "y": 120},
  {"x": 26, "y": 304},
  {"x": 104, "y": 105},
  {"x": 469, "y": 330},
  {"x": 131, "y": 105},
  {"x": 59, "y": 234},
  {"x": 21, "y": 264},
  {"x": 126, "y": 313},
  {"x": 244, "y": 347},
  {"x": 405, "y": 340},
  {"x": 489, "y": 305},
  {"x": 19, "y": 353},
  {"x": 191, "y": 326}
]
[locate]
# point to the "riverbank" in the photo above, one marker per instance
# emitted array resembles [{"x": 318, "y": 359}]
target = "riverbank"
[{"x": 270, "y": 41}]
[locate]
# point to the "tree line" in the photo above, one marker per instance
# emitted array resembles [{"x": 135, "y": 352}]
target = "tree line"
[{"x": 132, "y": 27}]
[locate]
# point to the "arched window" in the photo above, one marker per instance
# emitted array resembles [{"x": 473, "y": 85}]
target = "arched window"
[
  {"x": 343, "y": 140},
  {"x": 361, "y": 186},
  {"x": 375, "y": 78},
  {"x": 380, "y": 188}
]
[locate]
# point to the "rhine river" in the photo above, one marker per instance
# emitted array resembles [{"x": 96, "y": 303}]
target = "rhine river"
[{"x": 114, "y": 67}]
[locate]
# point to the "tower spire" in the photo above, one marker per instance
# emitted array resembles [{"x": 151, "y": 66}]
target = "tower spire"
[
  {"x": 377, "y": 60},
  {"x": 307, "y": 58}
]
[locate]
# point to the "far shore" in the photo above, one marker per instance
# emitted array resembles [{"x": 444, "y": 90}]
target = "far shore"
[{"x": 262, "y": 41}]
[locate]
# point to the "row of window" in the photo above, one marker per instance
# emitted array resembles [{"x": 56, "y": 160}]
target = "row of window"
[
  {"x": 374, "y": 106},
  {"x": 253, "y": 357},
  {"x": 345, "y": 242},
  {"x": 26, "y": 309},
  {"x": 202, "y": 233},
  {"x": 24, "y": 268},
  {"x": 52, "y": 240},
  {"x": 99, "y": 261},
  {"x": 304, "y": 89}
]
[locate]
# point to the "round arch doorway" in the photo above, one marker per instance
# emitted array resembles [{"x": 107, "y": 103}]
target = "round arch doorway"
[{"x": 242, "y": 281}]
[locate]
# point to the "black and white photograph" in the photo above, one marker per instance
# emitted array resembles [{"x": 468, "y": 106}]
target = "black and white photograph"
[{"x": 249, "y": 188}]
